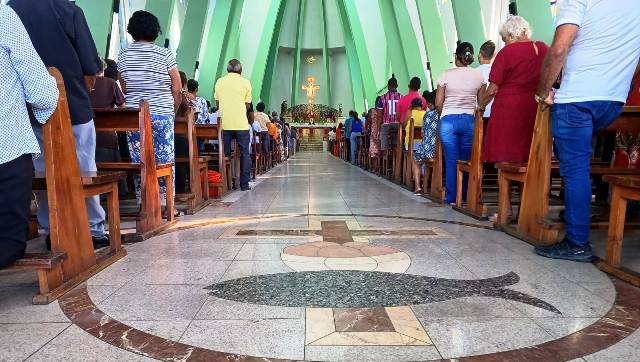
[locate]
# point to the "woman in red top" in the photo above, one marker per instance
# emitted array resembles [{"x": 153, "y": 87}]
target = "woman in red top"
[{"x": 513, "y": 81}]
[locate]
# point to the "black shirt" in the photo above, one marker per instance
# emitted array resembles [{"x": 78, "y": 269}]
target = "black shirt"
[{"x": 61, "y": 36}]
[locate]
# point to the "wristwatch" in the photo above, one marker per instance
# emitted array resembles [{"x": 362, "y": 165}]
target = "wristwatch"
[{"x": 539, "y": 99}]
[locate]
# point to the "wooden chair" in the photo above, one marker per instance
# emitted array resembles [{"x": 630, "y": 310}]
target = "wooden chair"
[
  {"x": 149, "y": 219},
  {"x": 474, "y": 206},
  {"x": 624, "y": 188},
  {"x": 197, "y": 196},
  {"x": 435, "y": 190},
  {"x": 209, "y": 132},
  {"x": 72, "y": 259},
  {"x": 533, "y": 223}
]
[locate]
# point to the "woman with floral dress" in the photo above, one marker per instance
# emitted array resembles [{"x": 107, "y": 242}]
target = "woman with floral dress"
[
  {"x": 149, "y": 72},
  {"x": 375, "y": 117}
]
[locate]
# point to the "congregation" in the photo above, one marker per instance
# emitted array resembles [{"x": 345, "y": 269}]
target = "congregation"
[
  {"x": 507, "y": 92},
  {"x": 143, "y": 73}
]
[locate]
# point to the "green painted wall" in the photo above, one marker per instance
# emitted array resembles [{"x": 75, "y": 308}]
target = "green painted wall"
[
  {"x": 99, "y": 16},
  {"x": 163, "y": 10},
  {"x": 192, "y": 31},
  {"x": 434, "y": 38},
  {"x": 538, "y": 14},
  {"x": 469, "y": 22}
]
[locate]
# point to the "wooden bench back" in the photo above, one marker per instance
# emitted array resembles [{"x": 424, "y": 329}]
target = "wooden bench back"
[
  {"x": 186, "y": 126},
  {"x": 137, "y": 119},
  {"x": 68, "y": 218}
]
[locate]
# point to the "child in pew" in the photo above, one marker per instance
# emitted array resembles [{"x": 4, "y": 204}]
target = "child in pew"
[{"x": 423, "y": 149}]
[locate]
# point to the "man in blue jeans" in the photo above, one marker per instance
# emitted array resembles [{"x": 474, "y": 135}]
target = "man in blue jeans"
[{"x": 598, "y": 43}]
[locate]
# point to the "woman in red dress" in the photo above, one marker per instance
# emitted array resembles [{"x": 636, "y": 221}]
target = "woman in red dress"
[{"x": 513, "y": 82}]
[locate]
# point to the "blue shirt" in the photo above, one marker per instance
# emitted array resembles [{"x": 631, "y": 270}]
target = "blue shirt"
[
  {"x": 356, "y": 126},
  {"x": 24, "y": 80},
  {"x": 347, "y": 127},
  {"x": 61, "y": 36},
  {"x": 605, "y": 53}
]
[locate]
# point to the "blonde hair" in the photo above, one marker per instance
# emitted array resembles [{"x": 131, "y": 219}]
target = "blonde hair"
[{"x": 515, "y": 27}]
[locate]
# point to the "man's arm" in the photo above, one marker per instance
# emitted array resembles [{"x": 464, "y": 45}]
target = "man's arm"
[
  {"x": 555, "y": 59},
  {"x": 40, "y": 89},
  {"x": 85, "y": 48}
]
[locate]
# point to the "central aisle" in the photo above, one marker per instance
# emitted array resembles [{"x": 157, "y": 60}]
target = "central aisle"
[{"x": 323, "y": 261}]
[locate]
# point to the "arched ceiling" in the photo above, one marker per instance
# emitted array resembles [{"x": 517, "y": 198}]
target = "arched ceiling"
[{"x": 351, "y": 47}]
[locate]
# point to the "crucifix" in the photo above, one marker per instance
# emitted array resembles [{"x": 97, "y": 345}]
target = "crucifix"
[{"x": 311, "y": 88}]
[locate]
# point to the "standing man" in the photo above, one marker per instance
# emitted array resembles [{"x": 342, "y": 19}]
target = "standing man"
[
  {"x": 389, "y": 112},
  {"x": 598, "y": 44},
  {"x": 61, "y": 37},
  {"x": 24, "y": 81},
  {"x": 485, "y": 57},
  {"x": 233, "y": 94}
]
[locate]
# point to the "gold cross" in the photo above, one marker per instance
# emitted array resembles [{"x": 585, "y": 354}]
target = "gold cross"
[{"x": 311, "y": 88}]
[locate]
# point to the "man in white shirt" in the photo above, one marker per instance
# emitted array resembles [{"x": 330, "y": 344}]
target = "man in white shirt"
[
  {"x": 598, "y": 44},
  {"x": 25, "y": 80},
  {"x": 485, "y": 57}
]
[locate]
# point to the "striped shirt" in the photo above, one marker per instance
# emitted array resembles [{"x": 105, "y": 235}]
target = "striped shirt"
[
  {"x": 389, "y": 106},
  {"x": 145, "y": 69}
]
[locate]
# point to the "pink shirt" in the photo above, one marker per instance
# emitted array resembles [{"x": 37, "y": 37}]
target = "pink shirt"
[{"x": 405, "y": 104}]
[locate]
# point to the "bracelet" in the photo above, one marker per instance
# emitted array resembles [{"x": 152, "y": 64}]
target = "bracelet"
[{"x": 539, "y": 99}]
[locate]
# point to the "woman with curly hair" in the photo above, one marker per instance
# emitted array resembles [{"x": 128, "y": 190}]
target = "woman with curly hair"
[{"x": 150, "y": 72}]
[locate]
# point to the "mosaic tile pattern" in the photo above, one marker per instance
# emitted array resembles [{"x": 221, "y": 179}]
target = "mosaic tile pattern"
[{"x": 358, "y": 289}]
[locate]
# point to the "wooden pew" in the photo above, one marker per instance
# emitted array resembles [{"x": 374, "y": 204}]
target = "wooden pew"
[
  {"x": 198, "y": 196},
  {"x": 397, "y": 155},
  {"x": 414, "y": 132},
  {"x": 72, "y": 259},
  {"x": 433, "y": 185},
  {"x": 149, "y": 219},
  {"x": 533, "y": 225},
  {"x": 210, "y": 132},
  {"x": 474, "y": 206},
  {"x": 624, "y": 188}
]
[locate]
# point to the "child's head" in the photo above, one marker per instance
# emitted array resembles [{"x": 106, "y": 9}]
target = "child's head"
[
  {"x": 416, "y": 103},
  {"x": 430, "y": 97}
]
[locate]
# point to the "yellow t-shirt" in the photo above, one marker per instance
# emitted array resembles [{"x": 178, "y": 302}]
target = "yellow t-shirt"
[
  {"x": 232, "y": 93},
  {"x": 417, "y": 116}
]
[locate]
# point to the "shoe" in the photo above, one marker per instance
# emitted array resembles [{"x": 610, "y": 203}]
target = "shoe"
[
  {"x": 566, "y": 251},
  {"x": 100, "y": 241},
  {"x": 246, "y": 188}
]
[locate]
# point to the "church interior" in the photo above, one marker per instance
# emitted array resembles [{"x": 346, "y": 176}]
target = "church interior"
[{"x": 338, "y": 248}]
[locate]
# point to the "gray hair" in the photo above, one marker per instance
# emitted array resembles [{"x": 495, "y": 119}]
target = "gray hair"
[
  {"x": 515, "y": 27},
  {"x": 234, "y": 66}
]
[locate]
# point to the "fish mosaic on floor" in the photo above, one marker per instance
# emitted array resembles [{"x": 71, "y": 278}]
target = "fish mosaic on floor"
[{"x": 363, "y": 289}]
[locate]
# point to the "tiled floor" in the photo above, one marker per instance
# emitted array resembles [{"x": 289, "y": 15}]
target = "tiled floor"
[{"x": 366, "y": 271}]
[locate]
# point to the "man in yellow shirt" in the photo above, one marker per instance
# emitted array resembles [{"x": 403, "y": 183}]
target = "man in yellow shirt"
[{"x": 233, "y": 94}]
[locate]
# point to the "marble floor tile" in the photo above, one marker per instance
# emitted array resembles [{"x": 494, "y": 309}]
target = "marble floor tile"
[
  {"x": 527, "y": 269},
  {"x": 217, "y": 309},
  {"x": 78, "y": 346},
  {"x": 155, "y": 302},
  {"x": 261, "y": 251},
  {"x": 243, "y": 268},
  {"x": 18, "y": 278},
  {"x": 571, "y": 299},
  {"x": 122, "y": 271},
  {"x": 371, "y": 353},
  {"x": 202, "y": 271},
  {"x": 575, "y": 272},
  {"x": 16, "y": 307},
  {"x": 472, "y": 336},
  {"x": 625, "y": 351},
  {"x": 468, "y": 307},
  {"x": 560, "y": 327},
  {"x": 171, "y": 330},
  {"x": 19, "y": 341},
  {"x": 276, "y": 338}
]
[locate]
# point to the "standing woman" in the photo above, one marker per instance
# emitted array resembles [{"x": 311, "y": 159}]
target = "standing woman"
[
  {"x": 150, "y": 72},
  {"x": 356, "y": 131},
  {"x": 513, "y": 82},
  {"x": 375, "y": 119},
  {"x": 456, "y": 101}
]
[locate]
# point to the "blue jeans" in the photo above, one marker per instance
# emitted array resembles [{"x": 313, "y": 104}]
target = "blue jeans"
[
  {"x": 456, "y": 138},
  {"x": 85, "y": 138},
  {"x": 242, "y": 140},
  {"x": 354, "y": 144},
  {"x": 573, "y": 126}
]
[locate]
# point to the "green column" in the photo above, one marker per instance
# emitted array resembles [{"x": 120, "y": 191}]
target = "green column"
[
  {"x": 269, "y": 69},
  {"x": 231, "y": 49},
  {"x": 192, "y": 31},
  {"x": 395, "y": 52},
  {"x": 408, "y": 41},
  {"x": 99, "y": 16},
  {"x": 295, "y": 86},
  {"x": 325, "y": 53},
  {"x": 538, "y": 14},
  {"x": 270, "y": 33},
  {"x": 435, "y": 42},
  {"x": 469, "y": 22},
  {"x": 163, "y": 10},
  {"x": 359, "y": 57},
  {"x": 216, "y": 42}
]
